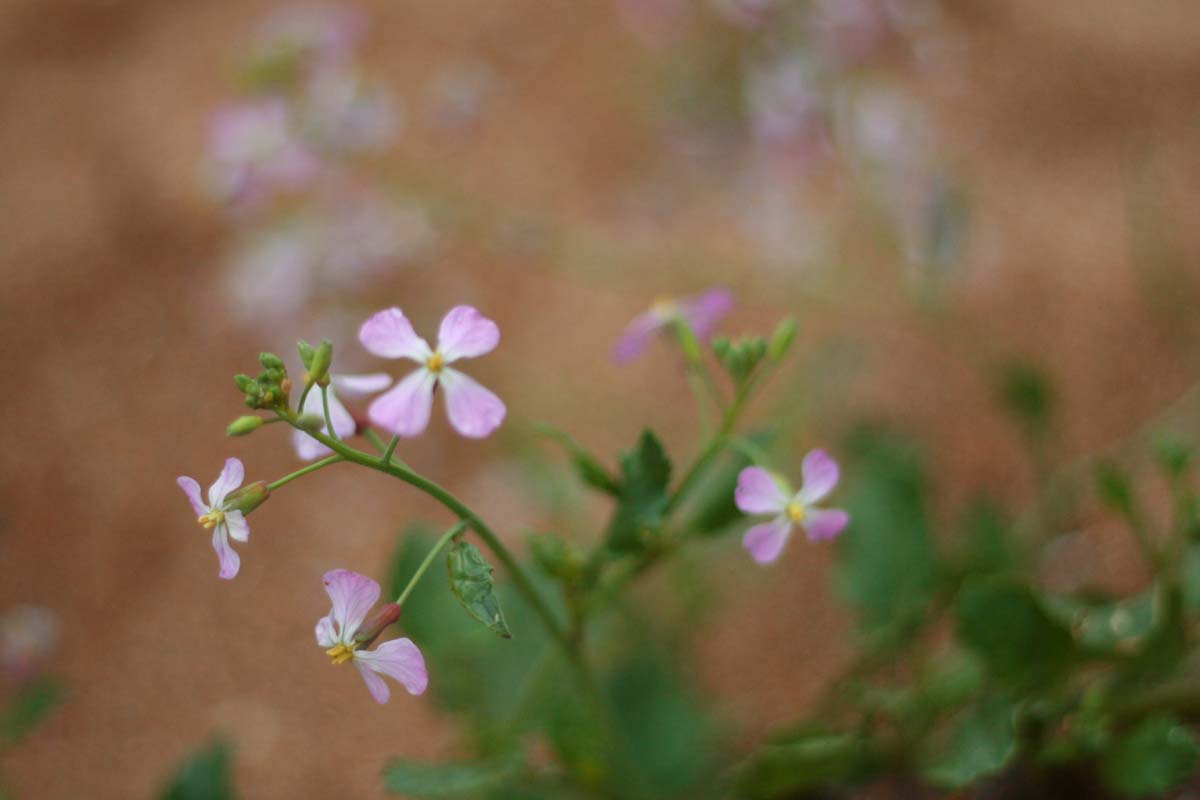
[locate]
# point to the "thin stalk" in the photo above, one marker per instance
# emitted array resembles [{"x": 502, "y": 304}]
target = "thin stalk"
[
  {"x": 373, "y": 437},
  {"x": 313, "y": 467},
  {"x": 429, "y": 557},
  {"x": 325, "y": 406}
]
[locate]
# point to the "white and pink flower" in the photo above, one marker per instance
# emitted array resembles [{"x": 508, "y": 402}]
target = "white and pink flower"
[
  {"x": 404, "y": 410},
  {"x": 219, "y": 516},
  {"x": 344, "y": 425},
  {"x": 700, "y": 313},
  {"x": 345, "y": 637},
  {"x": 761, "y": 492}
]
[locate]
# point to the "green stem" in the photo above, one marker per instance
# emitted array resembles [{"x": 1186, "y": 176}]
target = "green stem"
[
  {"x": 316, "y": 465},
  {"x": 303, "y": 397},
  {"x": 373, "y": 437},
  {"x": 391, "y": 448},
  {"x": 325, "y": 406},
  {"x": 437, "y": 548},
  {"x": 460, "y": 509}
]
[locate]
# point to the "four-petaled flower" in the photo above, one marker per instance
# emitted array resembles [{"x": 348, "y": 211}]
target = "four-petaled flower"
[
  {"x": 700, "y": 313},
  {"x": 344, "y": 426},
  {"x": 760, "y": 492},
  {"x": 345, "y": 638},
  {"x": 404, "y": 409},
  {"x": 216, "y": 515}
]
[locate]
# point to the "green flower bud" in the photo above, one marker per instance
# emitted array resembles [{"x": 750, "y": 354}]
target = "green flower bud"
[
  {"x": 246, "y": 384},
  {"x": 306, "y": 353},
  {"x": 311, "y": 422},
  {"x": 248, "y": 498},
  {"x": 270, "y": 362},
  {"x": 318, "y": 370},
  {"x": 244, "y": 425},
  {"x": 782, "y": 338}
]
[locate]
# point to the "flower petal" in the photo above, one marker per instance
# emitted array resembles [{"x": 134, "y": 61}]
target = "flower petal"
[
  {"x": 230, "y": 562},
  {"x": 820, "y": 476},
  {"x": 465, "y": 333},
  {"x": 765, "y": 542},
  {"x": 399, "y": 659},
  {"x": 308, "y": 448},
  {"x": 758, "y": 492},
  {"x": 389, "y": 334},
  {"x": 404, "y": 409},
  {"x": 326, "y": 632},
  {"x": 825, "y": 523},
  {"x": 376, "y": 685},
  {"x": 361, "y": 385},
  {"x": 705, "y": 311},
  {"x": 192, "y": 490},
  {"x": 637, "y": 337},
  {"x": 353, "y": 595},
  {"x": 230, "y": 478},
  {"x": 239, "y": 529},
  {"x": 474, "y": 410}
]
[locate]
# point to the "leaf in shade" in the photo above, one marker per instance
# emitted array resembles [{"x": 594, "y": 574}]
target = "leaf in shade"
[
  {"x": 983, "y": 741},
  {"x": 468, "y": 779},
  {"x": 1151, "y": 759},
  {"x": 809, "y": 763},
  {"x": 471, "y": 582},
  {"x": 645, "y": 476},
  {"x": 30, "y": 707},
  {"x": 204, "y": 775}
]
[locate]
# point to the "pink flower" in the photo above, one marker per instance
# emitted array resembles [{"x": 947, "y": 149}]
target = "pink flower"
[
  {"x": 344, "y": 426},
  {"x": 404, "y": 409},
  {"x": 217, "y": 515},
  {"x": 255, "y": 151},
  {"x": 760, "y": 492},
  {"x": 345, "y": 638},
  {"x": 27, "y": 637},
  {"x": 701, "y": 313}
]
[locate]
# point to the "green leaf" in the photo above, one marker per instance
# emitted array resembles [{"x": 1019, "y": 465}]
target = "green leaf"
[
  {"x": 1152, "y": 758},
  {"x": 1027, "y": 394},
  {"x": 982, "y": 742},
  {"x": 1115, "y": 488},
  {"x": 459, "y": 779},
  {"x": 1119, "y": 626},
  {"x": 471, "y": 582},
  {"x": 645, "y": 476},
  {"x": 1007, "y": 626},
  {"x": 205, "y": 775},
  {"x": 812, "y": 762},
  {"x": 987, "y": 550},
  {"x": 888, "y": 565},
  {"x": 31, "y": 706},
  {"x": 589, "y": 469}
]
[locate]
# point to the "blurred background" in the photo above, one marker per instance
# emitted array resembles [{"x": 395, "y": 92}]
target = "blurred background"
[{"x": 934, "y": 189}]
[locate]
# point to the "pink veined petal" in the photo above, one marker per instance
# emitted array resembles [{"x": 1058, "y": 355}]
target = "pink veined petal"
[
  {"x": 308, "y": 448},
  {"x": 326, "y": 633},
  {"x": 820, "y": 475},
  {"x": 361, "y": 385},
  {"x": 637, "y": 337},
  {"x": 825, "y": 523},
  {"x": 758, "y": 492},
  {"x": 192, "y": 490},
  {"x": 465, "y": 333},
  {"x": 235, "y": 523},
  {"x": 376, "y": 685},
  {"x": 353, "y": 595},
  {"x": 389, "y": 334},
  {"x": 230, "y": 478},
  {"x": 399, "y": 659},
  {"x": 474, "y": 410},
  {"x": 765, "y": 542},
  {"x": 404, "y": 409},
  {"x": 705, "y": 311},
  {"x": 230, "y": 562}
]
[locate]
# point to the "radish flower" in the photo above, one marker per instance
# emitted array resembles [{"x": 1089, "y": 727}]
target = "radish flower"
[
  {"x": 345, "y": 637},
  {"x": 760, "y": 492},
  {"x": 344, "y": 426},
  {"x": 405, "y": 408},
  {"x": 222, "y": 514},
  {"x": 700, "y": 313}
]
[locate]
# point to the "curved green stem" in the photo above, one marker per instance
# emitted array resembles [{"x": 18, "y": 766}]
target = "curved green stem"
[
  {"x": 433, "y": 551},
  {"x": 325, "y": 406},
  {"x": 313, "y": 467}
]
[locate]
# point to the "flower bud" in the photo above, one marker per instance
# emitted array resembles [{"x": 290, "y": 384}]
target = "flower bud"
[
  {"x": 246, "y": 384},
  {"x": 244, "y": 425},
  {"x": 720, "y": 346},
  {"x": 311, "y": 422},
  {"x": 306, "y": 353},
  {"x": 782, "y": 338},
  {"x": 270, "y": 362},
  {"x": 375, "y": 624},
  {"x": 318, "y": 370},
  {"x": 248, "y": 498}
]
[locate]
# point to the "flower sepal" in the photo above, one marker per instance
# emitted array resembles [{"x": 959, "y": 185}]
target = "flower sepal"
[
  {"x": 248, "y": 498},
  {"x": 377, "y": 623}
]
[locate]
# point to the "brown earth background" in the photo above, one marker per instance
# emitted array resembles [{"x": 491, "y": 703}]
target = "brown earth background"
[{"x": 1063, "y": 117}]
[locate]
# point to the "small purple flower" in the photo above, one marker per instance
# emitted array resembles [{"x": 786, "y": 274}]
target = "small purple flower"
[
  {"x": 701, "y": 313},
  {"x": 344, "y": 426},
  {"x": 345, "y": 638},
  {"x": 217, "y": 516},
  {"x": 255, "y": 152},
  {"x": 760, "y": 492},
  {"x": 404, "y": 409}
]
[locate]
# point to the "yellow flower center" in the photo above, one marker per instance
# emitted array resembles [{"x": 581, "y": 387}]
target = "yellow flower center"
[
  {"x": 342, "y": 653},
  {"x": 212, "y": 519},
  {"x": 664, "y": 308},
  {"x": 435, "y": 363},
  {"x": 796, "y": 512}
]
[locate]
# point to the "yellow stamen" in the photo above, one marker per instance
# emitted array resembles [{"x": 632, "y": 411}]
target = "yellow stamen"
[
  {"x": 342, "y": 653},
  {"x": 796, "y": 512},
  {"x": 435, "y": 363},
  {"x": 212, "y": 519}
]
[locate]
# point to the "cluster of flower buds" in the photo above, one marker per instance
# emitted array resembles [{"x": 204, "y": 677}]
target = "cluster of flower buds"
[{"x": 271, "y": 389}]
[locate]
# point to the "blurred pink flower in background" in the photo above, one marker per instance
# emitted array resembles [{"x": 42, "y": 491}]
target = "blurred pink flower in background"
[
  {"x": 700, "y": 313},
  {"x": 28, "y": 635},
  {"x": 255, "y": 152}
]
